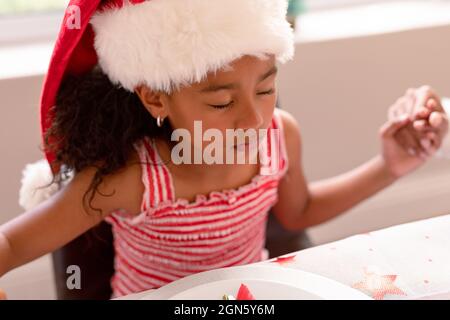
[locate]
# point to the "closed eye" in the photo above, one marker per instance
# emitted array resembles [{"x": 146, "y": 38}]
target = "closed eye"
[
  {"x": 269, "y": 92},
  {"x": 221, "y": 106}
]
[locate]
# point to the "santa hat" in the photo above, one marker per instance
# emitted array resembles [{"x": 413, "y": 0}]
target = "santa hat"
[{"x": 163, "y": 44}]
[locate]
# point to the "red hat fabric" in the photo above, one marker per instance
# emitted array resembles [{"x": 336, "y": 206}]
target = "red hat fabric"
[{"x": 74, "y": 53}]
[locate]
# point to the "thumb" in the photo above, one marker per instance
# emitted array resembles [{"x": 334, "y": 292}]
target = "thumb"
[
  {"x": 437, "y": 119},
  {"x": 2, "y": 295},
  {"x": 434, "y": 104},
  {"x": 390, "y": 128}
]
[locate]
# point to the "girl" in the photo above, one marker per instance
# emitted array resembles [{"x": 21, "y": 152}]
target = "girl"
[{"x": 127, "y": 75}]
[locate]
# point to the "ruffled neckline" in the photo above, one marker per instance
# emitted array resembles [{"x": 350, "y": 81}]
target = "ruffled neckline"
[{"x": 200, "y": 199}]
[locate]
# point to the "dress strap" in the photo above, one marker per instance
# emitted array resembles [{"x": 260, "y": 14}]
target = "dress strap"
[
  {"x": 155, "y": 175},
  {"x": 275, "y": 160}
]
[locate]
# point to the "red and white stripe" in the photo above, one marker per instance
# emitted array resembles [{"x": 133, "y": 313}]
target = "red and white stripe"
[{"x": 172, "y": 239}]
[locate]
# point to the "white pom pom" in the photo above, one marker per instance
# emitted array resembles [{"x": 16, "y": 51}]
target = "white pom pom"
[{"x": 36, "y": 187}]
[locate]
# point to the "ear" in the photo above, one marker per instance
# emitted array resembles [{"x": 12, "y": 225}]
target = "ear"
[{"x": 152, "y": 101}]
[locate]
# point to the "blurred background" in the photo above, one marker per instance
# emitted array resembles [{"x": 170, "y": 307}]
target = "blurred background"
[{"x": 354, "y": 58}]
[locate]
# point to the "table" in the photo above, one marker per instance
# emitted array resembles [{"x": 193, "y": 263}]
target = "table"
[{"x": 409, "y": 261}]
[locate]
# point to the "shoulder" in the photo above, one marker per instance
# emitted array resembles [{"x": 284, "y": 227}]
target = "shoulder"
[
  {"x": 292, "y": 135},
  {"x": 122, "y": 189},
  {"x": 290, "y": 124}
]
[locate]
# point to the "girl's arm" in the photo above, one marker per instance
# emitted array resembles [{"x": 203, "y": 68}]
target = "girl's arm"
[
  {"x": 301, "y": 205},
  {"x": 62, "y": 218}
]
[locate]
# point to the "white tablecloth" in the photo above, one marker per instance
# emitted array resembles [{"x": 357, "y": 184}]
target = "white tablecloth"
[{"x": 410, "y": 261}]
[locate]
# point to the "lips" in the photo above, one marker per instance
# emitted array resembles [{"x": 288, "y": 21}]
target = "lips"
[{"x": 243, "y": 146}]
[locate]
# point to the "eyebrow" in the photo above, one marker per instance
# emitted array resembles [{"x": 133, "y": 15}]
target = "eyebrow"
[
  {"x": 218, "y": 87},
  {"x": 230, "y": 86},
  {"x": 272, "y": 71}
]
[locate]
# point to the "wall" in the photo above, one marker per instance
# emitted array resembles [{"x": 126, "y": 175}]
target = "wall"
[{"x": 339, "y": 91}]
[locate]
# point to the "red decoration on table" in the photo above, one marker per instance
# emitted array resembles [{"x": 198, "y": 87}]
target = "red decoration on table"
[
  {"x": 284, "y": 260},
  {"x": 379, "y": 285},
  {"x": 244, "y": 293}
]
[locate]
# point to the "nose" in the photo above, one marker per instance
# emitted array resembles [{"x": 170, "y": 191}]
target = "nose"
[{"x": 250, "y": 116}]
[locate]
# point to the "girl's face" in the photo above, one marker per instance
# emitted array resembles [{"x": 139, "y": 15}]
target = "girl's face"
[{"x": 241, "y": 97}]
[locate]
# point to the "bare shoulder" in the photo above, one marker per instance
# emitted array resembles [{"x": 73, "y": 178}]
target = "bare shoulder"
[
  {"x": 291, "y": 134},
  {"x": 122, "y": 189},
  {"x": 290, "y": 124},
  {"x": 293, "y": 189}
]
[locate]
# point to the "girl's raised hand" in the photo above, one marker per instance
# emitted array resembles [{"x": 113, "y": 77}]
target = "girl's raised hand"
[
  {"x": 424, "y": 136},
  {"x": 431, "y": 121},
  {"x": 398, "y": 159},
  {"x": 415, "y": 130}
]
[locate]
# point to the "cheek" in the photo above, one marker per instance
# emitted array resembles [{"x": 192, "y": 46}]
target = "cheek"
[
  {"x": 185, "y": 116},
  {"x": 268, "y": 110},
  {"x": 221, "y": 121},
  {"x": 182, "y": 115}
]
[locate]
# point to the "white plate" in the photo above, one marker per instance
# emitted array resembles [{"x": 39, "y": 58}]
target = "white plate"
[
  {"x": 261, "y": 290},
  {"x": 265, "y": 282}
]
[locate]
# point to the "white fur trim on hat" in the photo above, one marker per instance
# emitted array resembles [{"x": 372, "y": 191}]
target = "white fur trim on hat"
[
  {"x": 36, "y": 184},
  {"x": 165, "y": 44}
]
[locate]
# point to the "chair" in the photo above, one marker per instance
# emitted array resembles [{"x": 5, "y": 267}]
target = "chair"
[{"x": 93, "y": 252}]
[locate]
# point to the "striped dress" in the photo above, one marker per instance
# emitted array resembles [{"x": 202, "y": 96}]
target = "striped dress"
[{"x": 173, "y": 238}]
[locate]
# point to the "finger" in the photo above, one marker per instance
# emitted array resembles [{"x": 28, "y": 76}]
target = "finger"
[
  {"x": 422, "y": 113},
  {"x": 428, "y": 136},
  {"x": 425, "y": 93},
  {"x": 2, "y": 295},
  {"x": 434, "y": 103},
  {"x": 438, "y": 120},
  {"x": 391, "y": 127},
  {"x": 422, "y": 126},
  {"x": 407, "y": 140},
  {"x": 398, "y": 109},
  {"x": 434, "y": 139},
  {"x": 431, "y": 104},
  {"x": 430, "y": 143},
  {"x": 411, "y": 101},
  {"x": 429, "y": 133},
  {"x": 428, "y": 146},
  {"x": 422, "y": 146}
]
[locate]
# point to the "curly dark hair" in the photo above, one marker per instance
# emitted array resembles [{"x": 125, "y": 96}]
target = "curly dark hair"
[{"x": 96, "y": 124}]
